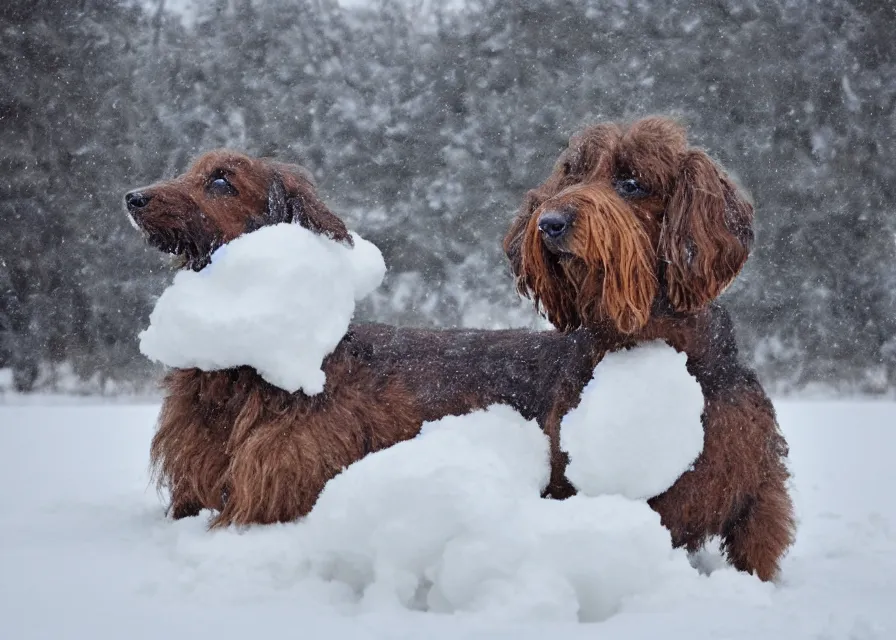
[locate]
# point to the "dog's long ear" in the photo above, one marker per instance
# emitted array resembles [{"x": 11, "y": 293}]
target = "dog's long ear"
[
  {"x": 278, "y": 209},
  {"x": 707, "y": 233},
  {"x": 292, "y": 197}
]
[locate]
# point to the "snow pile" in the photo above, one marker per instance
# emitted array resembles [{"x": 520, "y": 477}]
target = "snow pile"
[
  {"x": 637, "y": 427},
  {"x": 278, "y": 299},
  {"x": 452, "y": 521}
]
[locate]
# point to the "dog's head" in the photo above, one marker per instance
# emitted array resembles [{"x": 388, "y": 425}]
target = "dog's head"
[
  {"x": 630, "y": 220},
  {"x": 223, "y": 195}
]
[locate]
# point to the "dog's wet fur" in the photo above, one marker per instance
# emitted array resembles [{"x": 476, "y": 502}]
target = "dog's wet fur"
[
  {"x": 230, "y": 442},
  {"x": 636, "y": 233}
]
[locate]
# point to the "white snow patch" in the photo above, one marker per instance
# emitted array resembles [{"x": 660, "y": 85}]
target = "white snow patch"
[
  {"x": 278, "y": 299},
  {"x": 86, "y": 551},
  {"x": 637, "y": 427}
]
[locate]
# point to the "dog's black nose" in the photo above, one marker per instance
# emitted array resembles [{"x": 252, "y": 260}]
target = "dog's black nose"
[
  {"x": 137, "y": 200},
  {"x": 553, "y": 224}
]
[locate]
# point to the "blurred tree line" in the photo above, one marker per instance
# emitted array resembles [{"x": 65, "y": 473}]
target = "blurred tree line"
[{"x": 424, "y": 127}]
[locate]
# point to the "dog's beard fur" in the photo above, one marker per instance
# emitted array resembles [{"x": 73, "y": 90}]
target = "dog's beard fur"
[
  {"x": 190, "y": 244},
  {"x": 606, "y": 272},
  {"x": 197, "y": 256}
]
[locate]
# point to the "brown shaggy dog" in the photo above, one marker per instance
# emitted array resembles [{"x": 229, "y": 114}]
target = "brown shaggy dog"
[
  {"x": 633, "y": 235},
  {"x": 231, "y": 442}
]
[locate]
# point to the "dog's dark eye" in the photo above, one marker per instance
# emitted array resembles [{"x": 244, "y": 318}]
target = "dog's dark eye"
[
  {"x": 630, "y": 188},
  {"x": 219, "y": 185}
]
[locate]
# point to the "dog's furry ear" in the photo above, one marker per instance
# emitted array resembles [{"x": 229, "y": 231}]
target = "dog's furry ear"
[
  {"x": 295, "y": 176},
  {"x": 278, "y": 209},
  {"x": 707, "y": 233},
  {"x": 513, "y": 240},
  {"x": 292, "y": 197}
]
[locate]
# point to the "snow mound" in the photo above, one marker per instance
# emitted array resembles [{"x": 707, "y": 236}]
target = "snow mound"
[
  {"x": 278, "y": 299},
  {"x": 637, "y": 427},
  {"x": 452, "y": 521}
]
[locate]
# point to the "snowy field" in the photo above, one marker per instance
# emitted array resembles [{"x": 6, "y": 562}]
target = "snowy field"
[{"x": 85, "y": 551}]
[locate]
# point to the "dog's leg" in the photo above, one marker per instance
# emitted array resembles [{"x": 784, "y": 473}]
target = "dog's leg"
[
  {"x": 559, "y": 487},
  {"x": 759, "y": 537},
  {"x": 737, "y": 488},
  {"x": 278, "y": 471},
  {"x": 685, "y": 511},
  {"x": 183, "y": 507},
  {"x": 563, "y": 393},
  {"x": 188, "y": 459}
]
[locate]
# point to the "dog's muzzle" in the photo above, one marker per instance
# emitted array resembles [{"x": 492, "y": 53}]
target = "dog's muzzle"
[
  {"x": 136, "y": 200},
  {"x": 136, "y": 203},
  {"x": 554, "y": 227}
]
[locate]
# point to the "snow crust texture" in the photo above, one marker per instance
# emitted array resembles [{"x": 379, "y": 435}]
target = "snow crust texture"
[
  {"x": 637, "y": 427},
  {"x": 278, "y": 299}
]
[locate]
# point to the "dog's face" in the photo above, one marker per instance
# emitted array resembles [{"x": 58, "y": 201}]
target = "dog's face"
[
  {"x": 223, "y": 195},
  {"x": 630, "y": 217}
]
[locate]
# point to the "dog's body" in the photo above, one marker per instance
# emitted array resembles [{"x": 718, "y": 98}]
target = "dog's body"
[
  {"x": 231, "y": 442},
  {"x": 634, "y": 234}
]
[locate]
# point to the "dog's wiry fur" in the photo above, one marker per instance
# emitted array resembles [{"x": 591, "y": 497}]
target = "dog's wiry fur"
[
  {"x": 634, "y": 234},
  {"x": 230, "y": 442},
  {"x": 251, "y": 452},
  {"x": 686, "y": 237}
]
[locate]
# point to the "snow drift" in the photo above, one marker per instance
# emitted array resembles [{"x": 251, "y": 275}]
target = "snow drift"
[{"x": 278, "y": 299}]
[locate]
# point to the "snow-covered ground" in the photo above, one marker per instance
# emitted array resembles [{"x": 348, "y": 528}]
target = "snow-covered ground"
[{"x": 85, "y": 551}]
